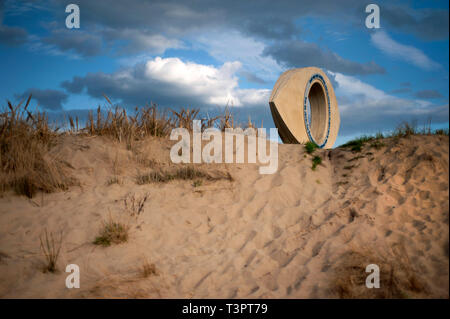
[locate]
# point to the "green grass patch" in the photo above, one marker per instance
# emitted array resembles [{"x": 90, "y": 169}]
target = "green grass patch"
[
  {"x": 197, "y": 183},
  {"x": 357, "y": 144},
  {"x": 112, "y": 232},
  {"x": 310, "y": 147},
  {"x": 317, "y": 160}
]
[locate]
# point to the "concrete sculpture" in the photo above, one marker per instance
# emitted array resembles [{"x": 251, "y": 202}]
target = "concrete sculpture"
[{"x": 304, "y": 107}]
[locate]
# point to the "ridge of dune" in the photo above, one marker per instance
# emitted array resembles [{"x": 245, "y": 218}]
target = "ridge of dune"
[{"x": 292, "y": 234}]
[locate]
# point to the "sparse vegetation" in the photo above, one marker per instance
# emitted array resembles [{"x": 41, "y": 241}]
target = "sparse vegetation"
[
  {"x": 317, "y": 160},
  {"x": 356, "y": 158},
  {"x": 397, "y": 276},
  {"x": 182, "y": 173},
  {"x": 25, "y": 166},
  {"x": 148, "y": 269},
  {"x": 357, "y": 144},
  {"x": 146, "y": 121},
  {"x": 50, "y": 247},
  {"x": 197, "y": 183},
  {"x": 310, "y": 147},
  {"x": 151, "y": 163},
  {"x": 26, "y": 138},
  {"x": 112, "y": 232},
  {"x": 113, "y": 180},
  {"x": 441, "y": 132},
  {"x": 404, "y": 129},
  {"x": 135, "y": 205}
]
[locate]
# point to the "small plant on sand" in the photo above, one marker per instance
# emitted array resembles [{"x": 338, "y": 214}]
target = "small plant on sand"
[
  {"x": 189, "y": 172},
  {"x": 357, "y": 144},
  {"x": 197, "y": 183},
  {"x": 317, "y": 160},
  {"x": 148, "y": 269},
  {"x": 113, "y": 180},
  {"x": 405, "y": 129},
  {"x": 51, "y": 249},
  {"x": 310, "y": 147},
  {"x": 135, "y": 205},
  {"x": 151, "y": 177},
  {"x": 112, "y": 232},
  {"x": 377, "y": 144},
  {"x": 441, "y": 132}
]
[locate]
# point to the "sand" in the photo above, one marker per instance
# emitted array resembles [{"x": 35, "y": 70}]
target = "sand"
[{"x": 292, "y": 234}]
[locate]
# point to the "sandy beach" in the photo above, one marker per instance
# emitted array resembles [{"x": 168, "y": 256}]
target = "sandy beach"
[{"x": 298, "y": 233}]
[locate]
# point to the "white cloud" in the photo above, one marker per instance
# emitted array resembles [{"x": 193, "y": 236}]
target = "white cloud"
[
  {"x": 366, "y": 109},
  {"x": 408, "y": 53},
  {"x": 358, "y": 94},
  {"x": 216, "y": 86},
  {"x": 140, "y": 41},
  {"x": 351, "y": 86},
  {"x": 232, "y": 45},
  {"x": 172, "y": 81}
]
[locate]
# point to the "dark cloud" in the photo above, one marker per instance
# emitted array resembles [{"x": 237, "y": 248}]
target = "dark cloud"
[
  {"x": 172, "y": 19},
  {"x": 428, "y": 94},
  {"x": 303, "y": 54},
  {"x": 401, "y": 90},
  {"x": 428, "y": 24},
  {"x": 251, "y": 77},
  {"x": 81, "y": 42},
  {"x": 10, "y": 35},
  {"x": 271, "y": 28},
  {"x": 49, "y": 99},
  {"x": 76, "y": 85},
  {"x": 135, "y": 90},
  {"x": 132, "y": 91},
  {"x": 266, "y": 19}
]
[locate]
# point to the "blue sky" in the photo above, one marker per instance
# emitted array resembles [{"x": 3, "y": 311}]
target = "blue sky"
[{"x": 205, "y": 54}]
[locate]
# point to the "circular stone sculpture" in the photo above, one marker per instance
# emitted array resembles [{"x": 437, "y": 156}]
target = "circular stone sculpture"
[{"x": 304, "y": 107}]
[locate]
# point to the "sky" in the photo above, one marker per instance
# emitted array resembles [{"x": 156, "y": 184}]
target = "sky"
[{"x": 209, "y": 54}]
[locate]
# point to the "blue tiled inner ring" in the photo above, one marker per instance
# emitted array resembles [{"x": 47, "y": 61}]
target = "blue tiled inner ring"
[{"x": 305, "y": 115}]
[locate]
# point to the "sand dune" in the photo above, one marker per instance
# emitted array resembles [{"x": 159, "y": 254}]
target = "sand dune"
[{"x": 299, "y": 233}]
